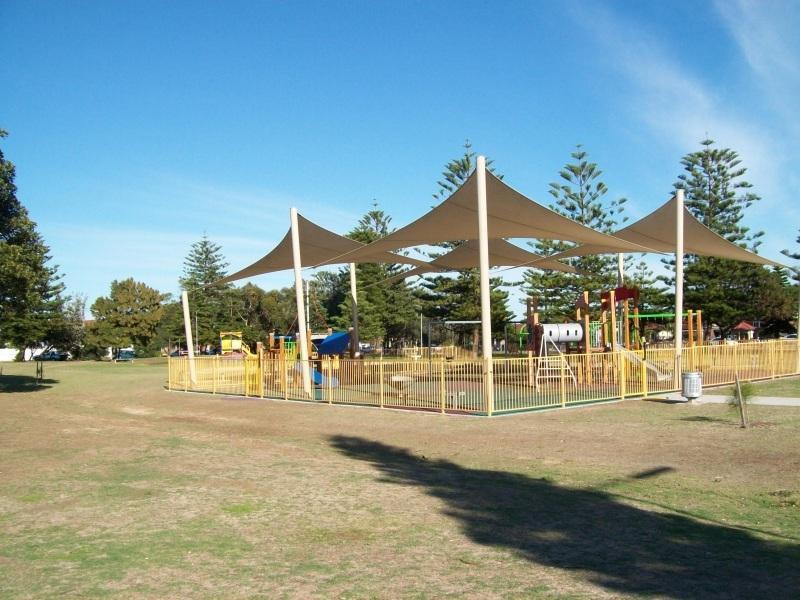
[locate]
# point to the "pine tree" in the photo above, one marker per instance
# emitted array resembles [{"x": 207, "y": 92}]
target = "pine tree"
[
  {"x": 727, "y": 291},
  {"x": 458, "y": 298},
  {"x": 387, "y": 311},
  {"x": 795, "y": 256},
  {"x": 716, "y": 194},
  {"x": 210, "y": 302},
  {"x": 580, "y": 196},
  {"x": 31, "y": 299}
]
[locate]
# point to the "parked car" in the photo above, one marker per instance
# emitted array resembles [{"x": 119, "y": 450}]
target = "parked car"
[
  {"x": 53, "y": 355},
  {"x": 124, "y": 355}
]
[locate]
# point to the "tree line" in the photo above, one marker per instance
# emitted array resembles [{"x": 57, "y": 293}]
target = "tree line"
[{"x": 34, "y": 309}]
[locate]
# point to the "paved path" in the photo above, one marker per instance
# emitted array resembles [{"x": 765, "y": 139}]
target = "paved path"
[{"x": 764, "y": 400}]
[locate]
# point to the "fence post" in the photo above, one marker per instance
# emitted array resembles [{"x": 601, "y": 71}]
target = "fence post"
[
  {"x": 186, "y": 375},
  {"x": 380, "y": 375},
  {"x": 442, "y": 386},
  {"x": 530, "y": 368},
  {"x": 772, "y": 357},
  {"x": 169, "y": 372},
  {"x": 643, "y": 367},
  {"x": 214, "y": 371},
  {"x": 488, "y": 385},
  {"x": 563, "y": 382},
  {"x": 329, "y": 380},
  {"x": 285, "y": 378},
  {"x": 622, "y": 376}
]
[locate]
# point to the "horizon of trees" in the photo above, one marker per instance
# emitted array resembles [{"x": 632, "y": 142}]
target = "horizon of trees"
[{"x": 34, "y": 309}]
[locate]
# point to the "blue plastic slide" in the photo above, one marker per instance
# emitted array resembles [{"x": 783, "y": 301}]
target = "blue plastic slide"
[{"x": 318, "y": 378}]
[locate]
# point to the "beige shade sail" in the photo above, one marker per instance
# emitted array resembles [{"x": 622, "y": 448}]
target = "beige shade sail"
[
  {"x": 501, "y": 254},
  {"x": 317, "y": 245},
  {"x": 658, "y": 231},
  {"x": 510, "y": 215}
]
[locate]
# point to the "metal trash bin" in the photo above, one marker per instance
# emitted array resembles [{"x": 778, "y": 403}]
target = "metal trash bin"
[{"x": 692, "y": 385}]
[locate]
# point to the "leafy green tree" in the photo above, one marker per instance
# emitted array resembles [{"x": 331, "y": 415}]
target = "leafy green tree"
[
  {"x": 796, "y": 273},
  {"x": 129, "y": 315},
  {"x": 717, "y": 194},
  {"x": 74, "y": 332},
  {"x": 31, "y": 299},
  {"x": 257, "y": 312},
  {"x": 210, "y": 303},
  {"x": 581, "y": 196}
]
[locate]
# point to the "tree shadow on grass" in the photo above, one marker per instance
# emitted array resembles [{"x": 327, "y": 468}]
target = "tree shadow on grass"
[
  {"x": 24, "y": 383},
  {"x": 620, "y": 547}
]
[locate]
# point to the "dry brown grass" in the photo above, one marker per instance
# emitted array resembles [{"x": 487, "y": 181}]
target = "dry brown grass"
[{"x": 113, "y": 486}]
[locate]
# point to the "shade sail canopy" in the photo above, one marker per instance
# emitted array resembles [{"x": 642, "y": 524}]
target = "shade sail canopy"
[
  {"x": 317, "y": 245},
  {"x": 501, "y": 254},
  {"x": 658, "y": 231},
  {"x": 510, "y": 215}
]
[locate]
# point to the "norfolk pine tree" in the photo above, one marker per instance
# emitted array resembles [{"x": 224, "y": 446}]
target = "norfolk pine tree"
[
  {"x": 30, "y": 289},
  {"x": 203, "y": 267},
  {"x": 458, "y": 298},
  {"x": 727, "y": 291},
  {"x": 581, "y": 196}
]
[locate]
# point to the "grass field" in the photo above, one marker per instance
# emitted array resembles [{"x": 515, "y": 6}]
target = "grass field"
[
  {"x": 112, "y": 486},
  {"x": 781, "y": 388}
]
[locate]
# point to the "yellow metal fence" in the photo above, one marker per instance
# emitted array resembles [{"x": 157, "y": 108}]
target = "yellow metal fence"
[{"x": 459, "y": 386}]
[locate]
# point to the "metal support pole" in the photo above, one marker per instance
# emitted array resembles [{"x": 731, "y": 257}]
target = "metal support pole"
[
  {"x": 486, "y": 308},
  {"x": 354, "y": 304},
  {"x": 301, "y": 313},
  {"x": 187, "y": 326},
  {"x": 679, "y": 196}
]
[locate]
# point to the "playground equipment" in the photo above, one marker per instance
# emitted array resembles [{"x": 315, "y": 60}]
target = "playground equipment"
[
  {"x": 231, "y": 343},
  {"x": 549, "y": 342}
]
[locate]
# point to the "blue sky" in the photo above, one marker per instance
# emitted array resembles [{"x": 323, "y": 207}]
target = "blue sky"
[{"x": 137, "y": 127}]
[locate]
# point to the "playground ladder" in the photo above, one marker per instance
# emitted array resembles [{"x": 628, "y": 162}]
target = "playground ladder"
[{"x": 550, "y": 367}]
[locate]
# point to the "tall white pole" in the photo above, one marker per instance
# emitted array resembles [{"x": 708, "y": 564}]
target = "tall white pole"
[
  {"x": 302, "y": 338},
  {"x": 354, "y": 304},
  {"x": 620, "y": 269},
  {"x": 486, "y": 307},
  {"x": 678, "y": 284},
  {"x": 187, "y": 326}
]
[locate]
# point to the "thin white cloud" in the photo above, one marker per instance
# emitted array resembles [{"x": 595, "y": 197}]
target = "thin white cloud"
[
  {"x": 766, "y": 33},
  {"x": 680, "y": 107}
]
